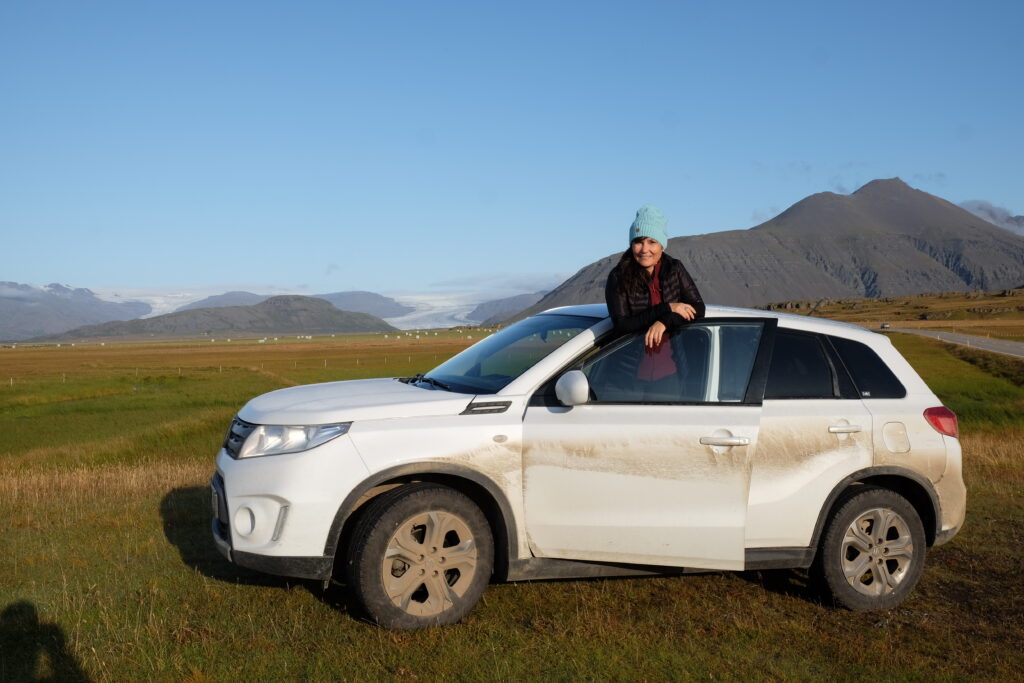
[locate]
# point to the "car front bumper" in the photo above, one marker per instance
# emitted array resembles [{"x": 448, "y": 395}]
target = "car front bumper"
[{"x": 273, "y": 514}]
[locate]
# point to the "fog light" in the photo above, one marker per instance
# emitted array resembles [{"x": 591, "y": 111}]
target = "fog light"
[{"x": 245, "y": 521}]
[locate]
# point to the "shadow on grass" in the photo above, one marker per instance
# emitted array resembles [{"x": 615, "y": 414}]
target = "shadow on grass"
[
  {"x": 25, "y": 643},
  {"x": 186, "y": 518},
  {"x": 793, "y": 583}
]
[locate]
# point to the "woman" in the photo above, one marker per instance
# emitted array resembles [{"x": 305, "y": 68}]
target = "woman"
[{"x": 649, "y": 291}]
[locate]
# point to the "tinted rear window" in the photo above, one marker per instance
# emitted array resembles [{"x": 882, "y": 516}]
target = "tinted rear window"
[
  {"x": 799, "y": 368},
  {"x": 872, "y": 376}
]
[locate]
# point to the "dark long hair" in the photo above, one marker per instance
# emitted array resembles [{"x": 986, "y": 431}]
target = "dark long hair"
[{"x": 632, "y": 277}]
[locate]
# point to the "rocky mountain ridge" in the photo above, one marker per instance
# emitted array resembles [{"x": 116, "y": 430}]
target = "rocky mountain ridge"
[
  {"x": 27, "y": 311},
  {"x": 885, "y": 239}
]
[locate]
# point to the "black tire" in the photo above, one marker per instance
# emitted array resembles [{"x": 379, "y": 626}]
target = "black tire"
[
  {"x": 420, "y": 555},
  {"x": 872, "y": 552}
]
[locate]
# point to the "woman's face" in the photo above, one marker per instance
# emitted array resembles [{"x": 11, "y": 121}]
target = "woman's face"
[{"x": 647, "y": 252}]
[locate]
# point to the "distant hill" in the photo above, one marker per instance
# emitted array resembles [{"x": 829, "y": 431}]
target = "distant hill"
[
  {"x": 27, "y": 311},
  {"x": 226, "y": 299},
  {"x": 367, "y": 302},
  {"x": 358, "y": 302},
  {"x": 492, "y": 312},
  {"x": 278, "y": 315},
  {"x": 885, "y": 239}
]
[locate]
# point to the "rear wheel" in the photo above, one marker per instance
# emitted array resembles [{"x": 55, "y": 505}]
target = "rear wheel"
[
  {"x": 872, "y": 553},
  {"x": 421, "y": 555}
]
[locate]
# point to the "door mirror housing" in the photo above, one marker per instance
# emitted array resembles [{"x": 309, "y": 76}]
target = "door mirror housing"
[{"x": 572, "y": 388}]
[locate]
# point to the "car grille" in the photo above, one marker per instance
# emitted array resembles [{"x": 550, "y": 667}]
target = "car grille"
[{"x": 237, "y": 433}]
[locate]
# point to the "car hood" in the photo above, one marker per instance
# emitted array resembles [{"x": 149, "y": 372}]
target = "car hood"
[{"x": 367, "y": 399}]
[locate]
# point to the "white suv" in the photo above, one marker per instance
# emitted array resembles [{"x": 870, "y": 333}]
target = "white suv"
[{"x": 778, "y": 441}]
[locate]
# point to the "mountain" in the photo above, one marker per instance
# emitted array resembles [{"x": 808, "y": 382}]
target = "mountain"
[
  {"x": 367, "y": 302},
  {"x": 496, "y": 310},
  {"x": 226, "y": 299},
  {"x": 278, "y": 315},
  {"x": 358, "y": 302},
  {"x": 996, "y": 215},
  {"x": 885, "y": 239},
  {"x": 27, "y": 311}
]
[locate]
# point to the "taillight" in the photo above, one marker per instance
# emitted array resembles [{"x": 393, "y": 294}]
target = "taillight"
[{"x": 943, "y": 420}]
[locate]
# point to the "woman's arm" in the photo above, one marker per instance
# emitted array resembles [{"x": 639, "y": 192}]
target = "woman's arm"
[{"x": 690, "y": 295}]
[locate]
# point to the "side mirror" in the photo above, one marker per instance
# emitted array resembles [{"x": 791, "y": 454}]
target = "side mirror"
[{"x": 572, "y": 388}]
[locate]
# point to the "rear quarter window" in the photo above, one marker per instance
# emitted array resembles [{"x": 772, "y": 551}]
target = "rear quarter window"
[{"x": 872, "y": 376}]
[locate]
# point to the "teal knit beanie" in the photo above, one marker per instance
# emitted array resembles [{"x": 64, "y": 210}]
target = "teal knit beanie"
[{"x": 650, "y": 222}]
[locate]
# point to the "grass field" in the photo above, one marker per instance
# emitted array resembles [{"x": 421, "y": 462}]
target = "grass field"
[
  {"x": 993, "y": 314},
  {"x": 109, "y": 573}
]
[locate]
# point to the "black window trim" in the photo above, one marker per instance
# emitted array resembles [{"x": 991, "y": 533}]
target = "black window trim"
[
  {"x": 839, "y": 366},
  {"x": 859, "y": 395}
]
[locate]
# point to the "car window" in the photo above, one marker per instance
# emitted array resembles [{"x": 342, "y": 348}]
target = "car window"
[
  {"x": 799, "y": 368},
  {"x": 488, "y": 366},
  {"x": 702, "y": 363},
  {"x": 872, "y": 376}
]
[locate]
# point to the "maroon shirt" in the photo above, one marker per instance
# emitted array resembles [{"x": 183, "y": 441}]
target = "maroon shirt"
[{"x": 657, "y": 362}]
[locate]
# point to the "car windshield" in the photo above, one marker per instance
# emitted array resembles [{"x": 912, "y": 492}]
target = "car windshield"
[{"x": 488, "y": 366}]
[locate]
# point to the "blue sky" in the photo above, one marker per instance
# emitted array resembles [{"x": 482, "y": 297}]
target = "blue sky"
[{"x": 420, "y": 146}]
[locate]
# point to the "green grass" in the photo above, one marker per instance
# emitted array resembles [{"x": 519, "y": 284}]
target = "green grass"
[
  {"x": 983, "y": 389},
  {"x": 109, "y": 573},
  {"x": 1006, "y": 367}
]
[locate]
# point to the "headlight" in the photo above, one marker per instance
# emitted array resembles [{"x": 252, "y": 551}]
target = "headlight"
[{"x": 278, "y": 439}]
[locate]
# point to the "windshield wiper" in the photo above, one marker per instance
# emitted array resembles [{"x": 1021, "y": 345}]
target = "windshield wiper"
[{"x": 429, "y": 380}]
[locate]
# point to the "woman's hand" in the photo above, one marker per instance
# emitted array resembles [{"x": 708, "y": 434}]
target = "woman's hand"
[
  {"x": 687, "y": 311},
  {"x": 654, "y": 334}
]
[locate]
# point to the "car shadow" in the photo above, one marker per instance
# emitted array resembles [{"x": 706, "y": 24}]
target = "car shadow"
[
  {"x": 186, "y": 519},
  {"x": 25, "y": 643},
  {"x": 793, "y": 583}
]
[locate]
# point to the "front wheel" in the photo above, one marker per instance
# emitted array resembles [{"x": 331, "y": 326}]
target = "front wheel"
[
  {"x": 873, "y": 550},
  {"x": 421, "y": 555}
]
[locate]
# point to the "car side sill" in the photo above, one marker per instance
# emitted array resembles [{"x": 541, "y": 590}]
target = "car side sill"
[
  {"x": 544, "y": 568},
  {"x": 778, "y": 558}
]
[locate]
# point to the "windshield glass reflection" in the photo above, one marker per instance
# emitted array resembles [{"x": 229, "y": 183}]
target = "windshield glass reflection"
[{"x": 489, "y": 366}]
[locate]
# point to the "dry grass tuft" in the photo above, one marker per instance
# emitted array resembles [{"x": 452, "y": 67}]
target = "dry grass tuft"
[
  {"x": 993, "y": 460},
  {"x": 138, "y": 444},
  {"x": 82, "y": 483}
]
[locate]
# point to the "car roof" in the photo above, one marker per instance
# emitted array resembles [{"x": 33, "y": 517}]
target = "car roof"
[{"x": 788, "y": 320}]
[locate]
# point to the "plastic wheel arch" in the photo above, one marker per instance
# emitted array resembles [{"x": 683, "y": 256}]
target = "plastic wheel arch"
[{"x": 480, "y": 489}]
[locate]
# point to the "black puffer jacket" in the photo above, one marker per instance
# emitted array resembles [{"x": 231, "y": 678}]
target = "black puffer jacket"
[{"x": 632, "y": 311}]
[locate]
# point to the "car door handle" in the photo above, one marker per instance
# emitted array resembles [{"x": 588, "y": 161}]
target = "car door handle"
[
  {"x": 724, "y": 441},
  {"x": 844, "y": 429}
]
